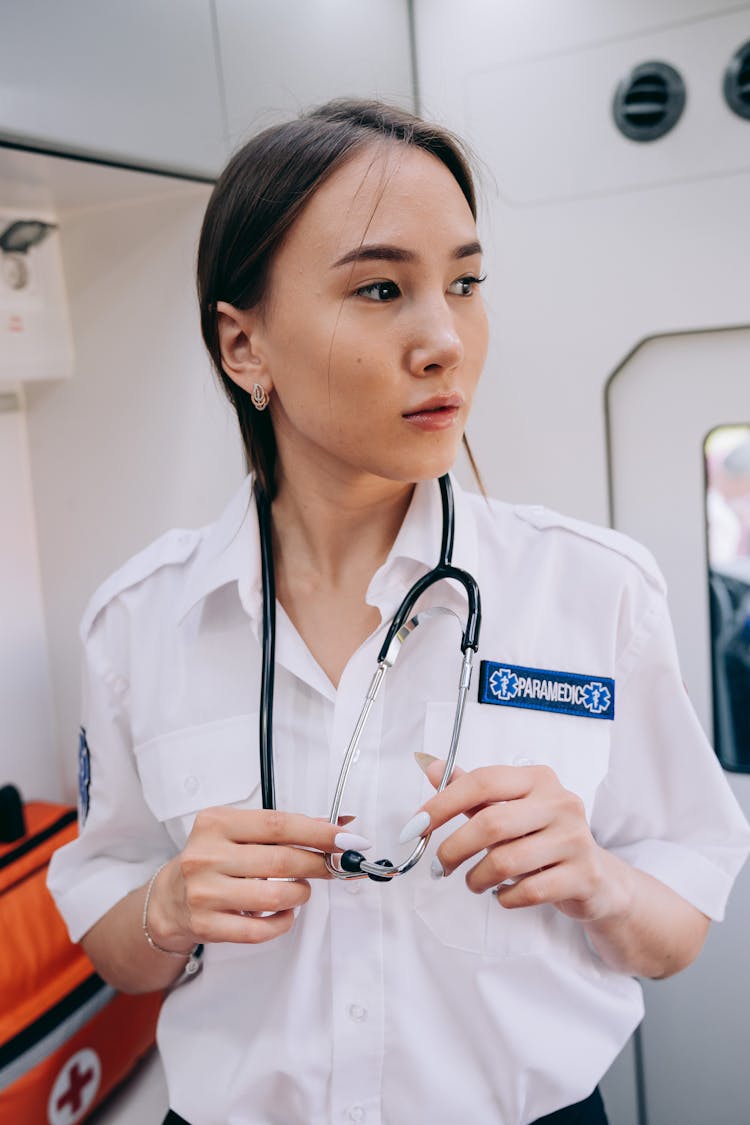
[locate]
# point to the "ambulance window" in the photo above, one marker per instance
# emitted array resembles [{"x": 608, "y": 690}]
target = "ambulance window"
[{"x": 727, "y": 463}]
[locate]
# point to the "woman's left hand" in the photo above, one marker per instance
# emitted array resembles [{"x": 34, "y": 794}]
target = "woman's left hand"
[
  {"x": 533, "y": 845},
  {"x": 530, "y": 837}
]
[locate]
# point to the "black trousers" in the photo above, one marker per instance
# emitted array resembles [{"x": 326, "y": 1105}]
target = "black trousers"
[{"x": 588, "y": 1112}]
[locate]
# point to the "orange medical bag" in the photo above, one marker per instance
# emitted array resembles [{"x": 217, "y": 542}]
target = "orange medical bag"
[{"x": 66, "y": 1038}]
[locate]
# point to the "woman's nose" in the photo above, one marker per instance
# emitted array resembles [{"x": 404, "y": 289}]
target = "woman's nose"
[{"x": 436, "y": 344}]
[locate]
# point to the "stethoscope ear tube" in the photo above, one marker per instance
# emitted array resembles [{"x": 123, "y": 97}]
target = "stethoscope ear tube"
[
  {"x": 444, "y": 569},
  {"x": 265, "y": 732}
]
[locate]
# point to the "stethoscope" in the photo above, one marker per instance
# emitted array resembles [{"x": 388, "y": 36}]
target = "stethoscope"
[{"x": 351, "y": 864}]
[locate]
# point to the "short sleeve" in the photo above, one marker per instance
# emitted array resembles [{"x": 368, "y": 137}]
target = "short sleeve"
[
  {"x": 665, "y": 805},
  {"x": 120, "y": 842}
]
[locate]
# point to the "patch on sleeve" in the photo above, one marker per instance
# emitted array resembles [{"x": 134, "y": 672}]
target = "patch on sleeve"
[
  {"x": 84, "y": 776},
  {"x": 568, "y": 693}
]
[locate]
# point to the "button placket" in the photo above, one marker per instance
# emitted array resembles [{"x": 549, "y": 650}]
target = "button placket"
[{"x": 356, "y": 908}]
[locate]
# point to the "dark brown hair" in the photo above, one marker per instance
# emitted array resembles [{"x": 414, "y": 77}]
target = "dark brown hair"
[{"x": 256, "y": 200}]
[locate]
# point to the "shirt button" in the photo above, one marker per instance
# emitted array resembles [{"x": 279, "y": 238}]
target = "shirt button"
[
  {"x": 355, "y": 1113},
  {"x": 120, "y": 685},
  {"x": 191, "y": 785},
  {"x": 359, "y": 1015},
  {"x": 353, "y": 886},
  {"x": 521, "y": 761}
]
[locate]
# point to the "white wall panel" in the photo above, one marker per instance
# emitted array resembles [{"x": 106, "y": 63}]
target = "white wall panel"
[
  {"x": 567, "y": 100},
  {"x": 135, "y": 81},
  {"x": 140, "y": 439},
  {"x": 27, "y": 759},
  {"x": 280, "y": 57}
]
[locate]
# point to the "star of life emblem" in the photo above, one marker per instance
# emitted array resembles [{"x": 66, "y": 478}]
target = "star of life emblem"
[
  {"x": 504, "y": 683},
  {"x": 596, "y": 697}
]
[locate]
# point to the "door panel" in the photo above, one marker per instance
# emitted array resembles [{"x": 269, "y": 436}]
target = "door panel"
[{"x": 671, "y": 392}]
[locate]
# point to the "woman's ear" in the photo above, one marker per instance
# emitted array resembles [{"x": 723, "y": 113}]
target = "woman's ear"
[{"x": 241, "y": 357}]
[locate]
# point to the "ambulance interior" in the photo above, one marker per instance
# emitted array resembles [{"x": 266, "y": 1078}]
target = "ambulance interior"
[{"x": 616, "y": 388}]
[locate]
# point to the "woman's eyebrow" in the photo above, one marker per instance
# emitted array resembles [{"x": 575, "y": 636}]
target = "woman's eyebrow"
[{"x": 385, "y": 253}]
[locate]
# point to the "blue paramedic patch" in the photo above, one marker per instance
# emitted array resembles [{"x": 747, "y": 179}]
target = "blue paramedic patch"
[
  {"x": 84, "y": 775},
  {"x": 567, "y": 693}
]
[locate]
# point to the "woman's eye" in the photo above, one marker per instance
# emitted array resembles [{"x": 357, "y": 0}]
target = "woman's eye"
[
  {"x": 465, "y": 286},
  {"x": 379, "y": 291}
]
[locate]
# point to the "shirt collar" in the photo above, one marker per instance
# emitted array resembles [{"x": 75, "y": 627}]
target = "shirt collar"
[
  {"x": 229, "y": 552},
  {"x": 230, "y": 549},
  {"x": 418, "y": 542}
]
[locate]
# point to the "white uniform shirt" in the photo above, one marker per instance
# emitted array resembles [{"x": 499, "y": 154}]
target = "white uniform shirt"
[{"x": 414, "y": 1000}]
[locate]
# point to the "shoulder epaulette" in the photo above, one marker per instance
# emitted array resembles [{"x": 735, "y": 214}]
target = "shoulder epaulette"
[
  {"x": 174, "y": 546},
  {"x": 545, "y": 519}
]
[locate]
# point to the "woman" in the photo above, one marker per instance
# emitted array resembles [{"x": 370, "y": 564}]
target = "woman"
[{"x": 339, "y": 279}]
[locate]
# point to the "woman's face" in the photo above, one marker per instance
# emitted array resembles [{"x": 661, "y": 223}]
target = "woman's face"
[{"x": 374, "y": 333}]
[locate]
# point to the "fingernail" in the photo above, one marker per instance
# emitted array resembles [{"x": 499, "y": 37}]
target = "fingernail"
[
  {"x": 437, "y": 871},
  {"x": 424, "y": 761},
  {"x": 350, "y": 841},
  {"x": 414, "y": 827}
]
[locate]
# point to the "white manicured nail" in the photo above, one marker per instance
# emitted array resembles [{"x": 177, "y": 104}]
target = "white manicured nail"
[
  {"x": 437, "y": 871},
  {"x": 414, "y": 827},
  {"x": 351, "y": 842},
  {"x": 424, "y": 761}
]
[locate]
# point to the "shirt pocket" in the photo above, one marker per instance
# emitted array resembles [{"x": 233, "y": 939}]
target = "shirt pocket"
[
  {"x": 198, "y": 768},
  {"x": 577, "y": 749}
]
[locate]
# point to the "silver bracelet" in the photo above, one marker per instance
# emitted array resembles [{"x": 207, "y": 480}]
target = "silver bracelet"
[{"x": 193, "y": 955}]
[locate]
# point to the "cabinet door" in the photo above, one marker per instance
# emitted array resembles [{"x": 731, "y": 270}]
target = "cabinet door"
[
  {"x": 135, "y": 81},
  {"x": 663, "y": 403}
]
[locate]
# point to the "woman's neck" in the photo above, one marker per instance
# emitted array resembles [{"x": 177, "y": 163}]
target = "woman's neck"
[
  {"x": 329, "y": 538},
  {"x": 335, "y": 528}
]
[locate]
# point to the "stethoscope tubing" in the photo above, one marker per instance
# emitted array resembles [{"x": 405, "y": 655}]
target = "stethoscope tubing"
[{"x": 401, "y": 626}]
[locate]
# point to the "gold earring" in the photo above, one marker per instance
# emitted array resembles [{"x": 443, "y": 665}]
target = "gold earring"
[{"x": 259, "y": 397}]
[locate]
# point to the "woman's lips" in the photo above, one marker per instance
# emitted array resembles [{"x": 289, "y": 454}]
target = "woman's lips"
[{"x": 435, "y": 414}]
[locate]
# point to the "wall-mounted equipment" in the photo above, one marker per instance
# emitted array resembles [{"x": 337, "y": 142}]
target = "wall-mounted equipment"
[
  {"x": 35, "y": 337},
  {"x": 15, "y": 243},
  {"x": 649, "y": 101},
  {"x": 737, "y": 82}
]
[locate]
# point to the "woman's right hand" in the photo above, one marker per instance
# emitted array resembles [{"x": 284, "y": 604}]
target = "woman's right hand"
[{"x": 240, "y": 876}]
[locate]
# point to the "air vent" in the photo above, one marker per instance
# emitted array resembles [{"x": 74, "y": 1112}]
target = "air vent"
[
  {"x": 649, "y": 101},
  {"x": 737, "y": 82}
]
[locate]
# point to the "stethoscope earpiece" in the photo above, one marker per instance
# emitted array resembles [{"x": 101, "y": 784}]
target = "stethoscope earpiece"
[
  {"x": 381, "y": 878},
  {"x": 352, "y": 861}
]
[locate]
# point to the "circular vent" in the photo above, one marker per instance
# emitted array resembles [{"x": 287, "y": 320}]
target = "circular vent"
[
  {"x": 649, "y": 101},
  {"x": 737, "y": 82}
]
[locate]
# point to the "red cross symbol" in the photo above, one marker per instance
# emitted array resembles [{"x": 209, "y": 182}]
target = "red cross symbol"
[{"x": 78, "y": 1083}]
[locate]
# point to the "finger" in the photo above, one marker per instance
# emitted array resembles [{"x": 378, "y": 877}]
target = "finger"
[
  {"x": 244, "y": 929},
  {"x": 507, "y": 864},
  {"x": 269, "y": 861},
  {"x": 550, "y": 884},
  {"x": 495, "y": 824},
  {"x": 269, "y": 826},
  {"x": 434, "y": 768},
  {"x": 263, "y": 895},
  {"x": 472, "y": 789}
]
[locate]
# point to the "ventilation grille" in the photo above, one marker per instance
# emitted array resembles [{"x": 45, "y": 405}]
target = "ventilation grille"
[
  {"x": 649, "y": 101},
  {"x": 737, "y": 82}
]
